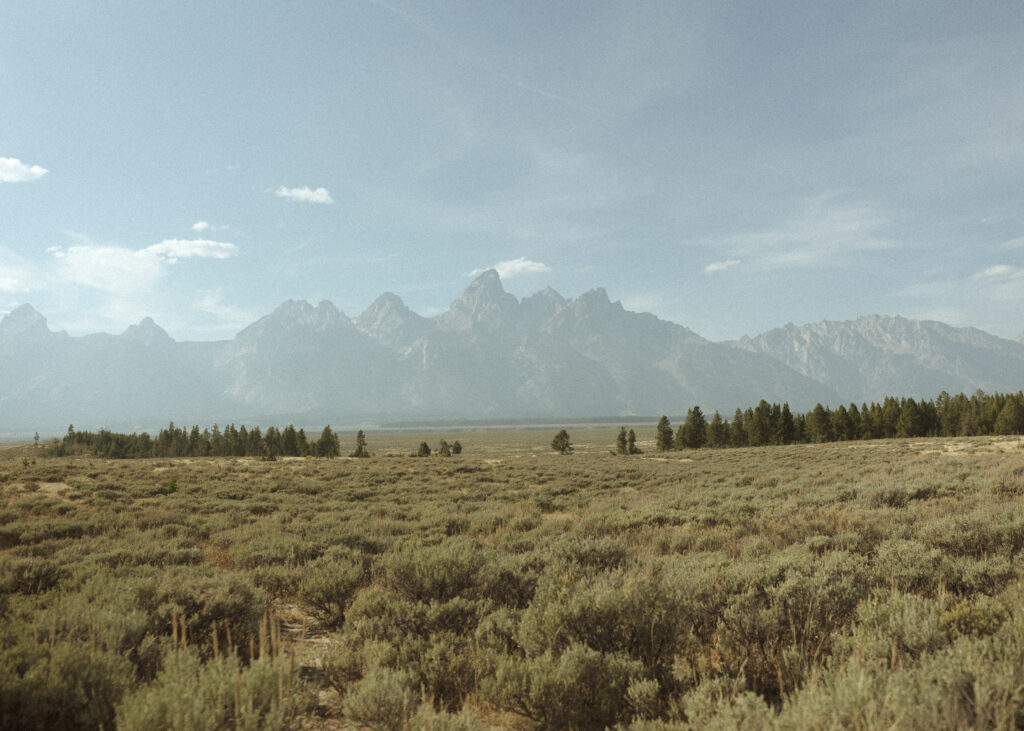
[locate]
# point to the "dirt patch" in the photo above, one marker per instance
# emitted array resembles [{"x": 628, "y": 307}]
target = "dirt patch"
[{"x": 53, "y": 488}]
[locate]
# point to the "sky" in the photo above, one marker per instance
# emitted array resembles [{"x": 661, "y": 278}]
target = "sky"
[{"x": 730, "y": 166}]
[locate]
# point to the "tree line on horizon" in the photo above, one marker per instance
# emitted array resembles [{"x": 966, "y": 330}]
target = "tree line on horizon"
[
  {"x": 232, "y": 441},
  {"x": 768, "y": 424}
]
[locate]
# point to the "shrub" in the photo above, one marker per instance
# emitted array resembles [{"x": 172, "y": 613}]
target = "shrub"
[
  {"x": 61, "y": 685},
  {"x": 329, "y": 584},
  {"x": 384, "y": 700},
  {"x": 191, "y": 695},
  {"x": 580, "y": 688}
]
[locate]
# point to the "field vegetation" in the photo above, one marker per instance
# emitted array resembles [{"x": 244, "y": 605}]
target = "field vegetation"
[{"x": 857, "y": 584}]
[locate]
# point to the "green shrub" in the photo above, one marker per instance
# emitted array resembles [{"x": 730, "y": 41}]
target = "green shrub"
[
  {"x": 425, "y": 573},
  {"x": 29, "y": 575},
  {"x": 580, "y": 688},
  {"x": 61, "y": 685},
  {"x": 895, "y": 630},
  {"x": 384, "y": 700},
  {"x": 328, "y": 586},
  {"x": 189, "y": 695}
]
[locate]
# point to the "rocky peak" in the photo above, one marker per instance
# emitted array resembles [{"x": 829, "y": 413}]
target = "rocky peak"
[
  {"x": 540, "y": 306},
  {"x": 24, "y": 320},
  {"x": 389, "y": 320},
  {"x": 147, "y": 333},
  {"x": 485, "y": 304},
  {"x": 298, "y": 315},
  {"x": 595, "y": 301}
]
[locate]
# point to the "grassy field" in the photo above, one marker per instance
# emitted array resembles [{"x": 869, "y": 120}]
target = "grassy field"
[{"x": 847, "y": 585}]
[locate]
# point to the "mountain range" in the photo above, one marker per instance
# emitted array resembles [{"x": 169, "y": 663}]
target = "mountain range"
[{"x": 489, "y": 356}]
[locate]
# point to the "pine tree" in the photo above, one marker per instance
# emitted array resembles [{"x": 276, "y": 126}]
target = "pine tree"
[
  {"x": 694, "y": 429},
  {"x": 561, "y": 443},
  {"x": 663, "y": 437},
  {"x": 738, "y": 430},
  {"x": 456, "y": 447},
  {"x": 621, "y": 446},
  {"x": 787, "y": 425},
  {"x": 328, "y": 445},
  {"x": 360, "y": 445},
  {"x": 424, "y": 450},
  {"x": 289, "y": 442},
  {"x": 718, "y": 432},
  {"x": 1011, "y": 417},
  {"x": 819, "y": 424},
  {"x": 631, "y": 447}
]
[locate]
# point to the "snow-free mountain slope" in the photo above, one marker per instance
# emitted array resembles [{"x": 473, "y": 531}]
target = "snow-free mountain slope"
[
  {"x": 489, "y": 355},
  {"x": 874, "y": 356}
]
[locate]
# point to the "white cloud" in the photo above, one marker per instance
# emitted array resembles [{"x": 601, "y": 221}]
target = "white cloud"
[
  {"x": 999, "y": 274},
  {"x": 10, "y": 284},
  {"x": 320, "y": 195},
  {"x": 170, "y": 250},
  {"x": 123, "y": 271},
  {"x": 13, "y": 170},
  {"x": 514, "y": 267},
  {"x": 200, "y": 226},
  {"x": 717, "y": 266}
]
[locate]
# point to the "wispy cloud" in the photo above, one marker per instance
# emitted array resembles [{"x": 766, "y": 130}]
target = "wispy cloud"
[
  {"x": 990, "y": 299},
  {"x": 513, "y": 268},
  {"x": 305, "y": 194},
  {"x": 10, "y": 284},
  {"x": 17, "y": 274},
  {"x": 13, "y": 170},
  {"x": 201, "y": 226},
  {"x": 999, "y": 272},
  {"x": 823, "y": 230},
  {"x": 170, "y": 250},
  {"x": 120, "y": 270},
  {"x": 430, "y": 31},
  {"x": 228, "y": 316},
  {"x": 717, "y": 266}
]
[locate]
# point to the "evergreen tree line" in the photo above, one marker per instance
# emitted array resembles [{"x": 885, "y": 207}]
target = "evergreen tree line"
[
  {"x": 768, "y": 424},
  {"x": 181, "y": 442}
]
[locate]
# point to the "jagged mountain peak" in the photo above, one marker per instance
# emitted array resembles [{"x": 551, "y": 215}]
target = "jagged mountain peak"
[
  {"x": 487, "y": 288},
  {"x": 21, "y": 320},
  {"x": 595, "y": 298},
  {"x": 147, "y": 332},
  {"x": 541, "y": 306},
  {"x": 388, "y": 300},
  {"x": 293, "y": 315},
  {"x": 484, "y": 305},
  {"x": 389, "y": 319},
  {"x": 878, "y": 355}
]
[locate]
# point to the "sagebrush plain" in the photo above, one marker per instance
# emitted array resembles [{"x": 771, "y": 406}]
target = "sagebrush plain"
[{"x": 843, "y": 585}]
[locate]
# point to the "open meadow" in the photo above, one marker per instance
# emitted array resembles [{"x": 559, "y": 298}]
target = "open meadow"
[{"x": 842, "y": 585}]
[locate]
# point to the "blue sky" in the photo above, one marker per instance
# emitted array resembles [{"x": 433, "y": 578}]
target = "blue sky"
[{"x": 729, "y": 166}]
